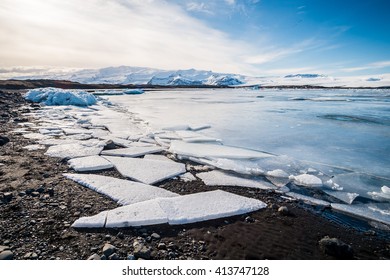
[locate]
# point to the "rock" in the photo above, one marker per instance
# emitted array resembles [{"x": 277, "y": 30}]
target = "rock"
[
  {"x": 94, "y": 257},
  {"x": 4, "y": 248},
  {"x": 22, "y": 193},
  {"x": 3, "y": 140},
  {"x": 130, "y": 257},
  {"x": 249, "y": 220},
  {"x": 140, "y": 250},
  {"x": 34, "y": 256},
  {"x": 103, "y": 257},
  {"x": 7, "y": 196},
  {"x": 35, "y": 194},
  {"x": 155, "y": 236},
  {"x": 336, "y": 248},
  {"x": 283, "y": 210},
  {"x": 6, "y": 255},
  {"x": 161, "y": 246},
  {"x": 109, "y": 145},
  {"x": 87, "y": 206},
  {"x": 108, "y": 249},
  {"x": 114, "y": 256}
]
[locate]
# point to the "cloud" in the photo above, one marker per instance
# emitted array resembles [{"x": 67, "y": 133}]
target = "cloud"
[
  {"x": 102, "y": 33},
  {"x": 199, "y": 7},
  {"x": 374, "y": 65}
]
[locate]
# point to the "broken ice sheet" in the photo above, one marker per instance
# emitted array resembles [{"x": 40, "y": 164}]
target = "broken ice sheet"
[
  {"x": 341, "y": 195},
  {"x": 122, "y": 191},
  {"x": 378, "y": 212},
  {"x": 214, "y": 151},
  {"x": 175, "y": 210},
  {"x": 187, "y": 177},
  {"x": 34, "y": 147},
  {"x": 77, "y": 149},
  {"x": 307, "y": 180},
  {"x": 132, "y": 151},
  {"x": 382, "y": 195},
  {"x": 90, "y": 163},
  {"x": 309, "y": 199},
  {"x": 219, "y": 178},
  {"x": 96, "y": 221},
  {"x": 147, "y": 171}
]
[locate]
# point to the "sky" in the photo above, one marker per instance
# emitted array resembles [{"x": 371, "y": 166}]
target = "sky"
[{"x": 250, "y": 37}]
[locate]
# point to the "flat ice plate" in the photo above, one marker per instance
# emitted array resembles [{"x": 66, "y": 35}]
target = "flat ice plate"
[
  {"x": 175, "y": 210},
  {"x": 122, "y": 191},
  {"x": 90, "y": 163},
  {"x": 147, "y": 171},
  {"x": 132, "y": 151}
]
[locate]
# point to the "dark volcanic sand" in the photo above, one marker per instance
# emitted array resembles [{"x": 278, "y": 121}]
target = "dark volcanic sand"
[{"x": 35, "y": 221}]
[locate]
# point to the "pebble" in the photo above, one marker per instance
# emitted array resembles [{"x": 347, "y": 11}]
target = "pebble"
[
  {"x": 3, "y": 140},
  {"x": 249, "y": 220},
  {"x": 161, "y": 246},
  {"x": 114, "y": 256},
  {"x": 87, "y": 206},
  {"x": 94, "y": 257},
  {"x": 6, "y": 255},
  {"x": 3, "y": 248},
  {"x": 141, "y": 251},
  {"x": 35, "y": 194},
  {"x": 130, "y": 257},
  {"x": 336, "y": 248},
  {"x": 283, "y": 210},
  {"x": 108, "y": 249},
  {"x": 8, "y": 196},
  {"x": 155, "y": 236}
]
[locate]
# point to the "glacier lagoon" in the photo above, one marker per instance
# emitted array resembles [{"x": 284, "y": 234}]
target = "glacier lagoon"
[{"x": 349, "y": 129}]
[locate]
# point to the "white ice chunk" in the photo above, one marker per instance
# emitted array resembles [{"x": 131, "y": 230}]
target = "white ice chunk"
[
  {"x": 365, "y": 211},
  {"x": 278, "y": 173},
  {"x": 385, "y": 189},
  {"x": 96, "y": 221},
  {"x": 383, "y": 195},
  {"x": 90, "y": 163},
  {"x": 132, "y": 151},
  {"x": 54, "y": 142},
  {"x": 36, "y": 136},
  {"x": 308, "y": 199},
  {"x": 217, "y": 151},
  {"x": 141, "y": 144},
  {"x": 307, "y": 180},
  {"x": 218, "y": 178},
  {"x": 117, "y": 141},
  {"x": 72, "y": 131},
  {"x": 207, "y": 206},
  {"x": 78, "y": 149},
  {"x": 343, "y": 196},
  {"x": 199, "y": 127},
  {"x": 187, "y": 177},
  {"x": 146, "y": 170},
  {"x": 121, "y": 191},
  {"x": 157, "y": 157},
  {"x": 57, "y": 96},
  {"x": 34, "y": 147},
  {"x": 139, "y": 214}
]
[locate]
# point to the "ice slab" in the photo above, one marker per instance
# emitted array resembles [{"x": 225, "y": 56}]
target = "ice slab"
[
  {"x": 187, "y": 177},
  {"x": 307, "y": 180},
  {"x": 157, "y": 157},
  {"x": 73, "y": 131},
  {"x": 366, "y": 211},
  {"x": 96, "y": 221},
  {"x": 205, "y": 206},
  {"x": 54, "y": 142},
  {"x": 117, "y": 141},
  {"x": 139, "y": 214},
  {"x": 343, "y": 196},
  {"x": 78, "y": 149},
  {"x": 57, "y": 96},
  {"x": 132, "y": 151},
  {"x": 382, "y": 195},
  {"x": 36, "y": 136},
  {"x": 175, "y": 210},
  {"x": 214, "y": 151},
  {"x": 309, "y": 199},
  {"x": 219, "y": 178},
  {"x": 124, "y": 192},
  {"x": 34, "y": 147},
  {"x": 90, "y": 163},
  {"x": 147, "y": 171}
]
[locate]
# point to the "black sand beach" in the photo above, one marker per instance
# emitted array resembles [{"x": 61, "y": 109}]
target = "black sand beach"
[{"x": 38, "y": 206}]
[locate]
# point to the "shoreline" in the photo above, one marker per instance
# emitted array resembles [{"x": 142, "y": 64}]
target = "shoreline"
[{"x": 36, "y": 224}]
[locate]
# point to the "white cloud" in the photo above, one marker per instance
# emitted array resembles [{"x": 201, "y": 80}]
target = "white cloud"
[
  {"x": 99, "y": 33},
  {"x": 374, "y": 65},
  {"x": 199, "y": 7}
]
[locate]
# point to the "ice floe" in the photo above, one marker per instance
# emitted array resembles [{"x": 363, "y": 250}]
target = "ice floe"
[
  {"x": 175, "y": 210},
  {"x": 219, "y": 178},
  {"x": 365, "y": 211},
  {"x": 147, "y": 171},
  {"x": 34, "y": 147},
  {"x": 77, "y": 149},
  {"x": 214, "y": 151},
  {"x": 341, "y": 195},
  {"x": 90, "y": 163},
  {"x": 132, "y": 151},
  {"x": 187, "y": 177},
  {"x": 382, "y": 195},
  {"x": 309, "y": 199},
  {"x": 307, "y": 180},
  {"x": 124, "y": 192}
]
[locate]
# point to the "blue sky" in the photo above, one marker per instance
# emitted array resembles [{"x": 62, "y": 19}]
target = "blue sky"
[{"x": 254, "y": 37}]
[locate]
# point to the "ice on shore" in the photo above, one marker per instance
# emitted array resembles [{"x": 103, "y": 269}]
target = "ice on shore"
[
  {"x": 90, "y": 163},
  {"x": 214, "y": 151},
  {"x": 124, "y": 192},
  {"x": 34, "y": 147},
  {"x": 132, "y": 151},
  {"x": 309, "y": 199},
  {"x": 133, "y": 91},
  {"x": 96, "y": 221},
  {"x": 57, "y": 96},
  {"x": 36, "y": 136},
  {"x": 382, "y": 195},
  {"x": 375, "y": 212},
  {"x": 187, "y": 177},
  {"x": 185, "y": 209},
  {"x": 157, "y": 157},
  {"x": 147, "y": 171},
  {"x": 307, "y": 180},
  {"x": 343, "y": 196},
  {"x": 73, "y": 131},
  {"x": 219, "y": 178},
  {"x": 78, "y": 149}
]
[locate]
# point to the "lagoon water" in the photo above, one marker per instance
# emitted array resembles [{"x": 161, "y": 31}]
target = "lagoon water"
[{"x": 344, "y": 128}]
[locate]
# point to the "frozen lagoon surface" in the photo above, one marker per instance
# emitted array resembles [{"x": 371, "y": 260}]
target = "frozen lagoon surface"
[{"x": 344, "y": 128}]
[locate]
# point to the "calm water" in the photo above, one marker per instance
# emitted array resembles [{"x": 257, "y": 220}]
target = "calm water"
[{"x": 345, "y": 128}]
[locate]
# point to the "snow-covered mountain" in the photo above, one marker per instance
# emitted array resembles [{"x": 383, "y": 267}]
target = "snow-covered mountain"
[{"x": 190, "y": 77}]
